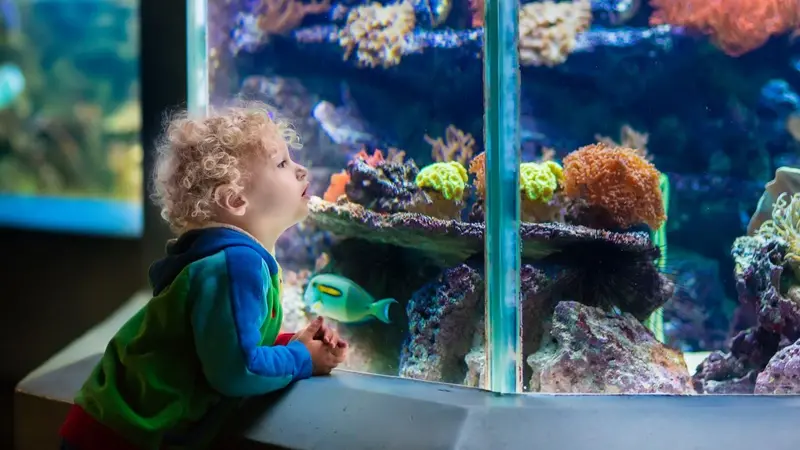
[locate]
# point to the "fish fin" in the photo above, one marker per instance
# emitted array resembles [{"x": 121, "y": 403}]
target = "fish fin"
[{"x": 380, "y": 309}]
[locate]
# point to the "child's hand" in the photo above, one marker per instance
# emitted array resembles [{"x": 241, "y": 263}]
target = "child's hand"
[
  {"x": 330, "y": 336},
  {"x": 325, "y": 334},
  {"x": 323, "y": 357}
]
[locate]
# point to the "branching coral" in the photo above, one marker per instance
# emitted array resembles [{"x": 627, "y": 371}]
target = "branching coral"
[
  {"x": 477, "y": 167},
  {"x": 457, "y": 146},
  {"x": 378, "y": 34},
  {"x": 735, "y": 26},
  {"x": 547, "y": 30},
  {"x": 620, "y": 188},
  {"x": 629, "y": 138},
  {"x": 785, "y": 224}
]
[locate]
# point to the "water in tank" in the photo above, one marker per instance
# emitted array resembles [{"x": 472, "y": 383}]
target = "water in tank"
[
  {"x": 659, "y": 188},
  {"x": 70, "y": 156}
]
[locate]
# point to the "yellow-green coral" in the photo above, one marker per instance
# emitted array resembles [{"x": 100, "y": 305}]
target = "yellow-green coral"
[
  {"x": 447, "y": 178},
  {"x": 539, "y": 181},
  {"x": 785, "y": 224}
]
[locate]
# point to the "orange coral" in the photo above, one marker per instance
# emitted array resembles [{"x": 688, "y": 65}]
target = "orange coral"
[
  {"x": 477, "y": 167},
  {"x": 277, "y": 17},
  {"x": 476, "y": 8},
  {"x": 336, "y": 187},
  {"x": 340, "y": 180},
  {"x": 735, "y": 26},
  {"x": 617, "y": 181}
]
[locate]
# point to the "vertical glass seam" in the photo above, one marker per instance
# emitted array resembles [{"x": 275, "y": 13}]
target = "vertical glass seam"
[
  {"x": 502, "y": 208},
  {"x": 197, "y": 56}
]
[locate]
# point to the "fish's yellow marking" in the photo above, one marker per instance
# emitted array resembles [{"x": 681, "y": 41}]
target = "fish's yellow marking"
[{"x": 333, "y": 292}]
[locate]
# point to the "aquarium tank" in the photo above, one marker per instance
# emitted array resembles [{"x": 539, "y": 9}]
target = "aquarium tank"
[
  {"x": 659, "y": 186},
  {"x": 70, "y": 151}
]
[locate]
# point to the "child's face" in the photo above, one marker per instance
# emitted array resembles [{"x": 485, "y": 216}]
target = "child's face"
[{"x": 277, "y": 196}]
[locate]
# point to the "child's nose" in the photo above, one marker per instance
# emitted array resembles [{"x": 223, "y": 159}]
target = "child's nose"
[{"x": 302, "y": 172}]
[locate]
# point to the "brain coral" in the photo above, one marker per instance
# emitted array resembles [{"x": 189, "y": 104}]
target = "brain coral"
[{"x": 618, "y": 181}]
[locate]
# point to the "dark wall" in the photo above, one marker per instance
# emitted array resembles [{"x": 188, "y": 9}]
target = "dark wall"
[{"x": 53, "y": 288}]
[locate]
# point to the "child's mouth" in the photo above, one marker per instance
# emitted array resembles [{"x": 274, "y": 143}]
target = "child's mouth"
[{"x": 305, "y": 192}]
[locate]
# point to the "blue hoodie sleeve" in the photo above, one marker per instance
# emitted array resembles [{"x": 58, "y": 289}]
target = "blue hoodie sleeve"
[{"x": 228, "y": 310}]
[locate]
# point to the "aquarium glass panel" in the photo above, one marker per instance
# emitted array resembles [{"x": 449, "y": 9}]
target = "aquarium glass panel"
[
  {"x": 388, "y": 100},
  {"x": 661, "y": 190},
  {"x": 70, "y": 154}
]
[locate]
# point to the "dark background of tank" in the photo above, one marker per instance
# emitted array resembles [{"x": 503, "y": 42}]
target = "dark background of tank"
[{"x": 55, "y": 287}]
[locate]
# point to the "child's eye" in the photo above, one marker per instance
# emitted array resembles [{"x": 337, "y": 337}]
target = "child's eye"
[{"x": 282, "y": 164}]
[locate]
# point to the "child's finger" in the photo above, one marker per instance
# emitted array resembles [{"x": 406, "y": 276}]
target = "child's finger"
[{"x": 328, "y": 336}]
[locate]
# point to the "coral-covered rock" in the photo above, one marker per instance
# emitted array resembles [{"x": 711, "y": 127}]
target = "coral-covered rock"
[
  {"x": 387, "y": 187},
  {"x": 446, "y": 325},
  {"x": 735, "y": 372},
  {"x": 454, "y": 240},
  {"x": 759, "y": 268},
  {"x": 442, "y": 317},
  {"x": 592, "y": 351},
  {"x": 536, "y": 290},
  {"x": 782, "y": 374},
  {"x": 723, "y": 373}
]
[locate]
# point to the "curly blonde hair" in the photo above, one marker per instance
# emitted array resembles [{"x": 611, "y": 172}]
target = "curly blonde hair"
[{"x": 197, "y": 155}]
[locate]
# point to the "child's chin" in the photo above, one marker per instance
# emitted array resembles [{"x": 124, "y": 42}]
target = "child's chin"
[{"x": 302, "y": 212}]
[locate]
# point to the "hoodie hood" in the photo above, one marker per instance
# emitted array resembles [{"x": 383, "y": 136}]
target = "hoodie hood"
[{"x": 198, "y": 244}]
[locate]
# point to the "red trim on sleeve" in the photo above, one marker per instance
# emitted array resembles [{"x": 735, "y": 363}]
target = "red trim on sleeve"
[
  {"x": 284, "y": 338},
  {"x": 82, "y": 431}
]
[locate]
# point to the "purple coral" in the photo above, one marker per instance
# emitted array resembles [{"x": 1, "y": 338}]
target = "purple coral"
[
  {"x": 592, "y": 351},
  {"x": 759, "y": 283},
  {"x": 735, "y": 372},
  {"x": 782, "y": 374},
  {"x": 442, "y": 318},
  {"x": 759, "y": 272}
]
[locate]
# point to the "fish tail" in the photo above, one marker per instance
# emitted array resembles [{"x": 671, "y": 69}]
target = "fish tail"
[{"x": 380, "y": 309}]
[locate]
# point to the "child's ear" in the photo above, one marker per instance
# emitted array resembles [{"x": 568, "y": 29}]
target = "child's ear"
[{"x": 230, "y": 200}]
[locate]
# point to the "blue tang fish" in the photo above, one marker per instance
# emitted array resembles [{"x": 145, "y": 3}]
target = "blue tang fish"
[{"x": 341, "y": 299}]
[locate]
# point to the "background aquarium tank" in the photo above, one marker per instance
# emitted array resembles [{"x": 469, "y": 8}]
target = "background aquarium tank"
[
  {"x": 659, "y": 188},
  {"x": 70, "y": 152}
]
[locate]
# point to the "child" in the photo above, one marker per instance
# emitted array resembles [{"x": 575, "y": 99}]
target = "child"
[{"x": 228, "y": 186}]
